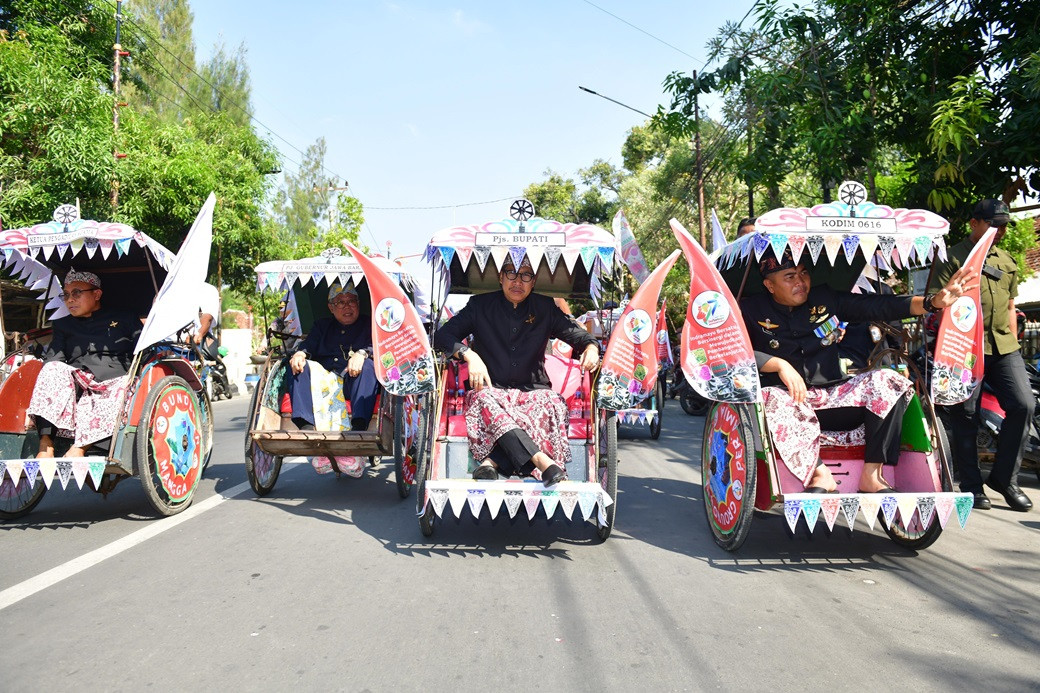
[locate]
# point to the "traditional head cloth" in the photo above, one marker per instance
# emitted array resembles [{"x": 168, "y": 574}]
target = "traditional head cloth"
[
  {"x": 336, "y": 290},
  {"x": 88, "y": 277},
  {"x": 770, "y": 264}
]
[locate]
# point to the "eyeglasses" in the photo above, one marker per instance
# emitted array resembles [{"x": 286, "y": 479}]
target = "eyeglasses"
[
  {"x": 343, "y": 304},
  {"x": 525, "y": 277},
  {"x": 75, "y": 293}
]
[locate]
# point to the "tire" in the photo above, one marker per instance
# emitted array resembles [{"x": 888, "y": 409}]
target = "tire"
[
  {"x": 404, "y": 450},
  {"x": 729, "y": 483},
  {"x": 207, "y": 429},
  {"x": 18, "y": 500},
  {"x": 262, "y": 468},
  {"x": 170, "y": 475},
  {"x": 657, "y": 402},
  {"x": 693, "y": 404},
  {"x": 915, "y": 537},
  {"x": 608, "y": 473},
  {"x": 423, "y": 455}
]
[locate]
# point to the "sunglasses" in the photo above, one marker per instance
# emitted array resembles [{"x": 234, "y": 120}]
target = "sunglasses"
[
  {"x": 343, "y": 303},
  {"x": 75, "y": 293},
  {"x": 525, "y": 277}
]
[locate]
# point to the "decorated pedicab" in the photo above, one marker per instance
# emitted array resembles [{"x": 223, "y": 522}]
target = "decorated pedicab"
[
  {"x": 741, "y": 469},
  {"x": 568, "y": 261},
  {"x": 163, "y": 429},
  {"x": 401, "y": 357}
]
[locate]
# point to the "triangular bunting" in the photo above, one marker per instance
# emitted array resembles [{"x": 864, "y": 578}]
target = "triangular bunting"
[
  {"x": 550, "y": 500},
  {"x": 588, "y": 257},
  {"x": 447, "y": 254},
  {"x": 868, "y": 243},
  {"x": 907, "y": 504},
  {"x": 513, "y": 500},
  {"x": 778, "y": 242},
  {"x": 815, "y": 244},
  {"x": 888, "y": 509},
  {"x": 940, "y": 247},
  {"x": 922, "y": 244},
  {"x": 481, "y": 252},
  {"x": 870, "y": 504},
  {"x": 606, "y": 258},
  {"x": 943, "y": 507},
  {"x": 475, "y": 498},
  {"x": 886, "y": 244},
  {"x": 97, "y": 472},
  {"x": 903, "y": 246},
  {"x": 761, "y": 242},
  {"x": 797, "y": 245},
  {"x": 849, "y": 244},
  {"x": 568, "y": 499},
  {"x": 849, "y": 508},
  {"x": 3, "y": 469},
  {"x": 48, "y": 467},
  {"x": 830, "y": 507},
  {"x": 552, "y": 257},
  {"x": 457, "y": 500},
  {"x": 832, "y": 243},
  {"x": 14, "y": 470},
  {"x": 464, "y": 255},
  {"x": 499, "y": 254},
  {"x": 963, "y": 508},
  {"x": 811, "y": 511},
  {"x": 494, "y": 499},
  {"x": 925, "y": 509},
  {"x": 792, "y": 508},
  {"x": 531, "y": 504},
  {"x": 517, "y": 254},
  {"x": 439, "y": 497},
  {"x": 587, "y": 502},
  {"x": 79, "y": 471},
  {"x": 570, "y": 258},
  {"x": 534, "y": 254},
  {"x": 64, "y": 472}
]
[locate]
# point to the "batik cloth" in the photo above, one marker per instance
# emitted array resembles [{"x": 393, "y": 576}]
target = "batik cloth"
[
  {"x": 794, "y": 428},
  {"x": 80, "y": 407},
  {"x": 493, "y": 411}
]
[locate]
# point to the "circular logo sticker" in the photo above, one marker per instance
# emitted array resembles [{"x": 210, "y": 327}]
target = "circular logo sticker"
[
  {"x": 964, "y": 313},
  {"x": 710, "y": 309},
  {"x": 176, "y": 442},
  {"x": 724, "y": 474},
  {"x": 638, "y": 326},
  {"x": 389, "y": 315}
]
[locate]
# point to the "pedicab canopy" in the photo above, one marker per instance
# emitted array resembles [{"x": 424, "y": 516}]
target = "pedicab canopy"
[{"x": 568, "y": 259}]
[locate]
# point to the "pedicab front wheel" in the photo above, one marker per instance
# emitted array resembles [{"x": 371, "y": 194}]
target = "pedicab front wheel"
[
  {"x": 913, "y": 535},
  {"x": 404, "y": 461},
  {"x": 17, "y": 500},
  {"x": 170, "y": 445},
  {"x": 728, "y": 472},
  {"x": 262, "y": 467},
  {"x": 657, "y": 403},
  {"x": 608, "y": 474}
]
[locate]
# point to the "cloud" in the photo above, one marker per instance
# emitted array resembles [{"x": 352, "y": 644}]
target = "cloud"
[{"x": 469, "y": 27}]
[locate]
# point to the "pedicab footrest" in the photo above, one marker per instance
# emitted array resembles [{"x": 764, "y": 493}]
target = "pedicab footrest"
[
  {"x": 636, "y": 416},
  {"x": 64, "y": 468},
  {"x": 457, "y": 494},
  {"x": 318, "y": 442},
  {"x": 918, "y": 509}
]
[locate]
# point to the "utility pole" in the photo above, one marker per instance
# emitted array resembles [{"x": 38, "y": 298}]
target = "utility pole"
[
  {"x": 117, "y": 54},
  {"x": 700, "y": 166},
  {"x": 346, "y": 185}
]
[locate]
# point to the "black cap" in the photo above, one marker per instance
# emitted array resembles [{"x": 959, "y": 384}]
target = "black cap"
[
  {"x": 769, "y": 264},
  {"x": 993, "y": 212}
]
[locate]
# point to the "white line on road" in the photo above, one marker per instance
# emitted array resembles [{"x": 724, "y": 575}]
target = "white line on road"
[{"x": 27, "y": 588}]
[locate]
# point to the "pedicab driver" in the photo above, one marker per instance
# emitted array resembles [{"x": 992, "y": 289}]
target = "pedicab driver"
[
  {"x": 515, "y": 422},
  {"x": 79, "y": 389},
  {"x": 342, "y": 345},
  {"x": 795, "y": 328}
]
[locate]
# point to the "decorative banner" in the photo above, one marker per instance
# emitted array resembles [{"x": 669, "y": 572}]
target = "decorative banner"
[
  {"x": 401, "y": 350},
  {"x": 630, "y": 363},
  {"x": 811, "y": 511},
  {"x": 664, "y": 344},
  {"x": 959, "y": 346},
  {"x": 888, "y": 509},
  {"x": 849, "y": 508},
  {"x": 792, "y": 508},
  {"x": 830, "y": 507},
  {"x": 870, "y": 504},
  {"x": 48, "y": 466},
  {"x": 629, "y": 249},
  {"x": 944, "y": 507},
  {"x": 717, "y": 357}
]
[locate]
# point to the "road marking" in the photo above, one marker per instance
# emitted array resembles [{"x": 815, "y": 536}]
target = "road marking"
[{"x": 27, "y": 588}]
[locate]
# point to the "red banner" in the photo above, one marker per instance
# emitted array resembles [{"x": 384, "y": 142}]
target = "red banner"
[
  {"x": 957, "y": 369},
  {"x": 630, "y": 363},
  {"x": 717, "y": 357},
  {"x": 401, "y": 349},
  {"x": 664, "y": 344}
]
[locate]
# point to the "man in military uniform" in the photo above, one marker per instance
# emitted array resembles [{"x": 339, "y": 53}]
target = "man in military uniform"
[
  {"x": 1004, "y": 368},
  {"x": 794, "y": 329},
  {"x": 342, "y": 345}
]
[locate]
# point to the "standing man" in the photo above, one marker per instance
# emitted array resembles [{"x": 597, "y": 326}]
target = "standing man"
[
  {"x": 1005, "y": 370},
  {"x": 746, "y": 226}
]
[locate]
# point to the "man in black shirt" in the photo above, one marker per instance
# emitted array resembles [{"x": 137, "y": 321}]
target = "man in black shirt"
[{"x": 514, "y": 421}]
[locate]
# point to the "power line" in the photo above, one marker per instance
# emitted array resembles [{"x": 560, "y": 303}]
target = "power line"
[
  {"x": 640, "y": 30},
  {"x": 461, "y": 204}
]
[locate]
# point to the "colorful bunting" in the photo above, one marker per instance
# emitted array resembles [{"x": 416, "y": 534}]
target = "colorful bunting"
[
  {"x": 815, "y": 244},
  {"x": 849, "y": 508},
  {"x": 811, "y": 511},
  {"x": 888, "y": 508},
  {"x": 964, "y": 503},
  {"x": 830, "y": 507},
  {"x": 513, "y": 501},
  {"x": 944, "y": 506},
  {"x": 64, "y": 472},
  {"x": 792, "y": 508},
  {"x": 494, "y": 499},
  {"x": 79, "y": 471},
  {"x": 870, "y": 504}
]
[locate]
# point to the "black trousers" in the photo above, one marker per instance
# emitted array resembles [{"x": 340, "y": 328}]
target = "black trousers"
[
  {"x": 883, "y": 434},
  {"x": 513, "y": 452},
  {"x": 1006, "y": 374}
]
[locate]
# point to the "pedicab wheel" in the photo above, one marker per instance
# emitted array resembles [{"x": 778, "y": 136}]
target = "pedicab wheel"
[
  {"x": 693, "y": 404},
  {"x": 17, "y": 500},
  {"x": 207, "y": 428},
  {"x": 728, "y": 472},
  {"x": 915, "y": 536},
  {"x": 169, "y": 449},
  {"x": 423, "y": 454},
  {"x": 657, "y": 403},
  {"x": 608, "y": 474},
  {"x": 404, "y": 468},
  {"x": 262, "y": 468}
]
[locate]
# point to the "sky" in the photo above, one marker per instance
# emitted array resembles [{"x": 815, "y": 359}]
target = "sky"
[{"x": 442, "y": 106}]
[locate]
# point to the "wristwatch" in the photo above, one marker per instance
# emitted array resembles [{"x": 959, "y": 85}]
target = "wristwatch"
[
  {"x": 362, "y": 352},
  {"x": 929, "y": 303},
  {"x": 461, "y": 352}
]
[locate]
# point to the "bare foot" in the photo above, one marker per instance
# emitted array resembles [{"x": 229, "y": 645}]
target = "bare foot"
[
  {"x": 75, "y": 452},
  {"x": 822, "y": 478},
  {"x": 542, "y": 461},
  {"x": 45, "y": 453},
  {"x": 871, "y": 481},
  {"x": 46, "y": 447}
]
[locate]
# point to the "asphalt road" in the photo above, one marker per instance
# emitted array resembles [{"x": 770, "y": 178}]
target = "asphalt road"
[{"x": 328, "y": 584}]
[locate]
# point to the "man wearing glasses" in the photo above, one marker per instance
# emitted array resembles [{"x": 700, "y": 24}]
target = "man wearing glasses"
[
  {"x": 515, "y": 422},
  {"x": 80, "y": 386},
  {"x": 341, "y": 345}
]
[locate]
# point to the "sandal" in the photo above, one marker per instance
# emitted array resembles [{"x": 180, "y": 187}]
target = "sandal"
[
  {"x": 485, "y": 472},
  {"x": 552, "y": 475}
]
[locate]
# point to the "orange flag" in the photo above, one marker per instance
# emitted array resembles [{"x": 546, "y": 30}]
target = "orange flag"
[
  {"x": 717, "y": 357},
  {"x": 958, "y": 367},
  {"x": 401, "y": 348}
]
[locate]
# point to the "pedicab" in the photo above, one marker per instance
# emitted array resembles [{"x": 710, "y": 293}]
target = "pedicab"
[
  {"x": 405, "y": 379},
  {"x": 569, "y": 260},
  {"x": 741, "y": 471},
  {"x": 163, "y": 432}
]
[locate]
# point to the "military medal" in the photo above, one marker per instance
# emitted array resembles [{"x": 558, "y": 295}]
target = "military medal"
[{"x": 773, "y": 344}]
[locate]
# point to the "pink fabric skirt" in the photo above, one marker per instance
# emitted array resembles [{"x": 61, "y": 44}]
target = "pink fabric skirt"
[
  {"x": 794, "y": 428},
  {"x": 79, "y": 406},
  {"x": 493, "y": 411}
]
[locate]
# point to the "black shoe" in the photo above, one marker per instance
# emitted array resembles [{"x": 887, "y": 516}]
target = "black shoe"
[
  {"x": 1013, "y": 495},
  {"x": 485, "y": 472},
  {"x": 981, "y": 501},
  {"x": 553, "y": 475}
]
